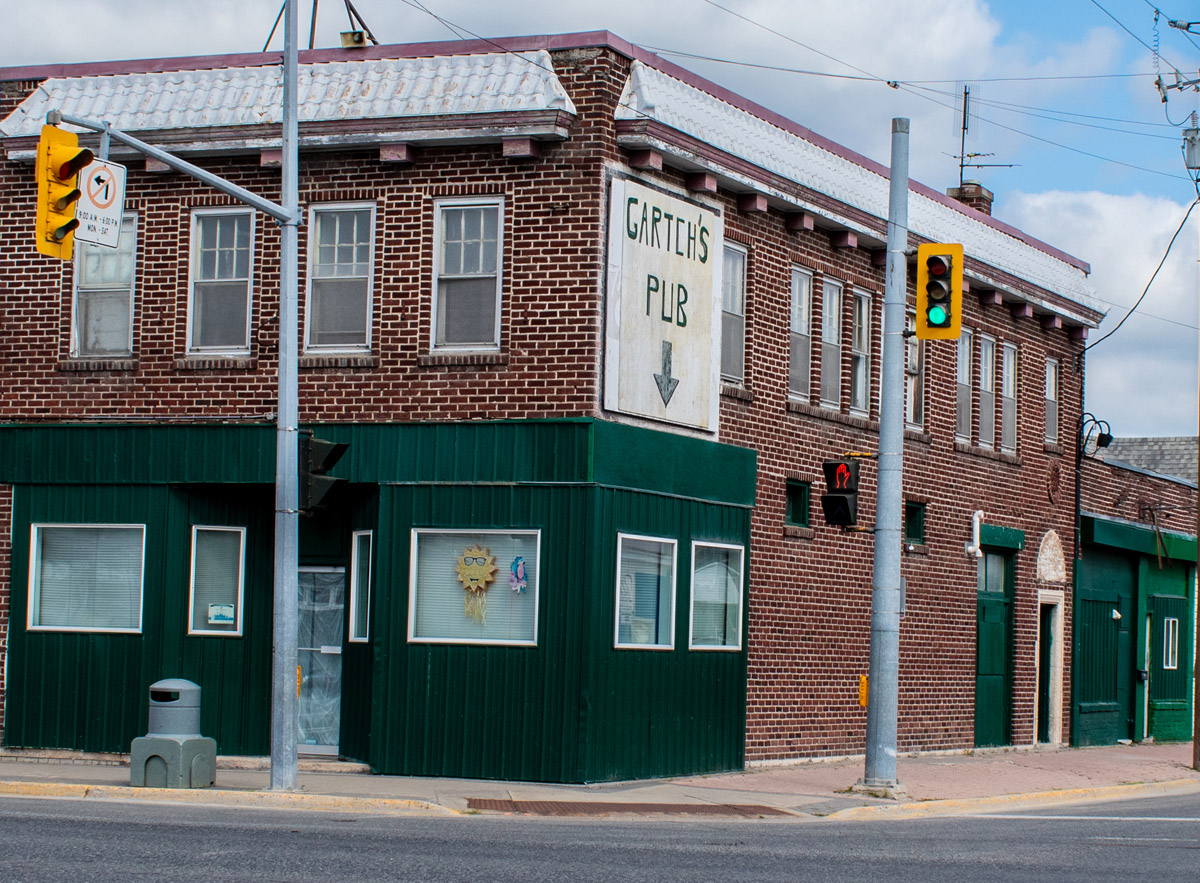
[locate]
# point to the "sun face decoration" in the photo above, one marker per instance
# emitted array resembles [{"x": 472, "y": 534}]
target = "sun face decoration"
[{"x": 476, "y": 571}]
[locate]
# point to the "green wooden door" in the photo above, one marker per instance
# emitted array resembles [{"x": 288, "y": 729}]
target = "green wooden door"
[
  {"x": 993, "y": 651},
  {"x": 1170, "y": 686},
  {"x": 1104, "y": 642}
]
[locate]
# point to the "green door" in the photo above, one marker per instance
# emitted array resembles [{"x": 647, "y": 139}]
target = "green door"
[
  {"x": 993, "y": 651},
  {"x": 1104, "y": 642},
  {"x": 1170, "y": 686}
]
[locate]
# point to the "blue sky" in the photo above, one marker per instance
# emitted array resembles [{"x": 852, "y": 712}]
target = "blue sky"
[{"x": 1060, "y": 71}]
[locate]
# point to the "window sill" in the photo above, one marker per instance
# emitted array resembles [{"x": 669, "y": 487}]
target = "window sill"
[
  {"x": 461, "y": 360},
  {"x": 911, "y": 548},
  {"x": 86, "y": 364},
  {"x": 833, "y": 416},
  {"x": 213, "y": 363},
  {"x": 341, "y": 360},
  {"x": 987, "y": 453},
  {"x": 796, "y": 532},
  {"x": 1051, "y": 448},
  {"x": 917, "y": 435},
  {"x": 733, "y": 391}
]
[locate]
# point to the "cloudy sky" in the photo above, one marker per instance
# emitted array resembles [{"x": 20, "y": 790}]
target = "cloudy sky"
[{"x": 1062, "y": 90}]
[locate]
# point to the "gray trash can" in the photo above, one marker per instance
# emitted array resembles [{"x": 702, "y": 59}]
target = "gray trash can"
[{"x": 173, "y": 754}]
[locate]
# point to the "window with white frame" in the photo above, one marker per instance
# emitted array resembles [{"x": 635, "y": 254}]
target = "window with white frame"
[
  {"x": 473, "y": 587},
  {"x": 860, "y": 354},
  {"x": 831, "y": 343},
  {"x": 338, "y": 313},
  {"x": 221, "y": 269},
  {"x": 218, "y": 578},
  {"x": 360, "y": 585},
  {"x": 914, "y": 378},
  {"x": 1170, "y": 643},
  {"x": 716, "y": 596},
  {"x": 962, "y": 420},
  {"x": 470, "y": 244},
  {"x": 733, "y": 314},
  {"x": 103, "y": 311},
  {"x": 1008, "y": 397},
  {"x": 800, "y": 356},
  {"x": 645, "y": 592},
  {"x": 86, "y": 577},
  {"x": 987, "y": 392},
  {"x": 1051, "y": 401}
]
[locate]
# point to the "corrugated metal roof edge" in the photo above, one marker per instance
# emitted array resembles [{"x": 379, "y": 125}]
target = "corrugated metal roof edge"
[{"x": 580, "y": 40}]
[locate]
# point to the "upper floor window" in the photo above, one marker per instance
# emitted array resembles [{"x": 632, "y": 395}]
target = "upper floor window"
[
  {"x": 1008, "y": 397},
  {"x": 466, "y": 305},
  {"x": 962, "y": 420},
  {"x": 987, "y": 392},
  {"x": 338, "y": 315},
  {"x": 800, "y": 357},
  {"x": 221, "y": 268},
  {"x": 831, "y": 343},
  {"x": 860, "y": 354},
  {"x": 733, "y": 314},
  {"x": 102, "y": 316},
  {"x": 1052, "y": 401},
  {"x": 914, "y": 378}
]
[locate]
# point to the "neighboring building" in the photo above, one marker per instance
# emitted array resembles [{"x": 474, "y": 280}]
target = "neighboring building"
[
  {"x": 1135, "y": 607},
  {"x": 590, "y": 324}
]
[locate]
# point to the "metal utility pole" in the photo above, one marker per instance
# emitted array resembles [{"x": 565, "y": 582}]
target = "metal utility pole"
[
  {"x": 883, "y": 698},
  {"x": 1191, "y": 156},
  {"x": 285, "y": 685}
]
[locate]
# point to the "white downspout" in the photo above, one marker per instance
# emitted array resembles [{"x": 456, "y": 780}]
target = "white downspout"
[{"x": 972, "y": 548}]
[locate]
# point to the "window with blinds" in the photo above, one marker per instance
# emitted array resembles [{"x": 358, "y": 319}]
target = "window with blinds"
[
  {"x": 474, "y": 587},
  {"x": 218, "y": 569},
  {"x": 645, "y": 592},
  {"x": 86, "y": 577},
  {"x": 716, "y": 597}
]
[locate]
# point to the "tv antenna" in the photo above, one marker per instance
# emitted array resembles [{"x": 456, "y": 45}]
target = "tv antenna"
[{"x": 964, "y": 158}]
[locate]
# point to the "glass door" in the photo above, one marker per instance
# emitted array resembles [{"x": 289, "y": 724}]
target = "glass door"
[{"x": 321, "y": 611}]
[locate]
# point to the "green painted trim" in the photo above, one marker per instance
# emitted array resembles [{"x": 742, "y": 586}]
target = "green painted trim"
[
  {"x": 1001, "y": 537},
  {"x": 568, "y": 451},
  {"x": 1137, "y": 538}
]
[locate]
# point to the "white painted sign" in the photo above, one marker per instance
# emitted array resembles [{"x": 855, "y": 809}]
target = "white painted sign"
[
  {"x": 663, "y": 317},
  {"x": 101, "y": 202}
]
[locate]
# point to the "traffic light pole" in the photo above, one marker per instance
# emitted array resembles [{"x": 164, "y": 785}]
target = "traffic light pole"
[
  {"x": 284, "y": 674},
  {"x": 883, "y": 702}
]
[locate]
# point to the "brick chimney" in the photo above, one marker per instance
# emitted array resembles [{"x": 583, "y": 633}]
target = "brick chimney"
[{"x": 974, "y": 194}]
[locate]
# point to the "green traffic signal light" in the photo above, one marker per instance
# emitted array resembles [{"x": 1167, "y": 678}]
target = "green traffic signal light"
[{"x": 938, "y": 316}]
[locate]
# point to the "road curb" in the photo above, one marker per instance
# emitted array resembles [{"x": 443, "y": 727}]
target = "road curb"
[
  {"x": 217, "y": 797},
  {"x": 958, "y": 806}
]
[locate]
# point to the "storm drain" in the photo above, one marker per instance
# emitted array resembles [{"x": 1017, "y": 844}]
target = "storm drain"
[{"x": 598, "y": 808}]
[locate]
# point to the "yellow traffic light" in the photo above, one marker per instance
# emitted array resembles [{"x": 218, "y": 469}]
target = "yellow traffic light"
[
  {"x": 59, "y": 160},
  {"x": 939, "y": 291}
]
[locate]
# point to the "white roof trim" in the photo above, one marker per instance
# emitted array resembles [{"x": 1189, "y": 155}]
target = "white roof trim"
[
  {"x": 665, "y": 99},
  {"x": 496, "y": 82}
]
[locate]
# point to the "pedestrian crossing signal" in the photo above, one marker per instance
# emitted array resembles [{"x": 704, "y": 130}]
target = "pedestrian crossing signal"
[
  {"x": 840, "y": 504},
  {"x": 59, "y": 161}
]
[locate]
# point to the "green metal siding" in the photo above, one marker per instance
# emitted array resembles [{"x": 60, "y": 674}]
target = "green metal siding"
[
  {"x": 90, "y": 691},
  {"x": 655, "y": 713},
  {"x": 1138, "y": 538}
]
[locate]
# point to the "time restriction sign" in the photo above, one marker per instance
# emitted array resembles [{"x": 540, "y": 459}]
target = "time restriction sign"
[{"x": 101, "y": 202}]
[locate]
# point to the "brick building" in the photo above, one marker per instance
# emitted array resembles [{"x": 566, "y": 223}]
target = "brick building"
[{"x": 590, "y": 324}]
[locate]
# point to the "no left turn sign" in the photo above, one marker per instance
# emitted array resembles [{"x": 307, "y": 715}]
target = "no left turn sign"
[{"x": 101, "y": 202}]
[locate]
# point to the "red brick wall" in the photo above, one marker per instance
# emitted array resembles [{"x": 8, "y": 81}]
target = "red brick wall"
[
  {"x": 1112, "y": 490},
  {"x": 810, "y": 592}
]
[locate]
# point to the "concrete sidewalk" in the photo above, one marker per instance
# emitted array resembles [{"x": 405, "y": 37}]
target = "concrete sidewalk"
[{"x": 936, "y": 783}]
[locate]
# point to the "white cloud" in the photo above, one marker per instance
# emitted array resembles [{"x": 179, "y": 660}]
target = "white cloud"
[{"x": 1143, "y": 379}]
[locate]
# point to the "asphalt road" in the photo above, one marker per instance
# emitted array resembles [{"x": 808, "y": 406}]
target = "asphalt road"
[{"x": 99, "y": 841}]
